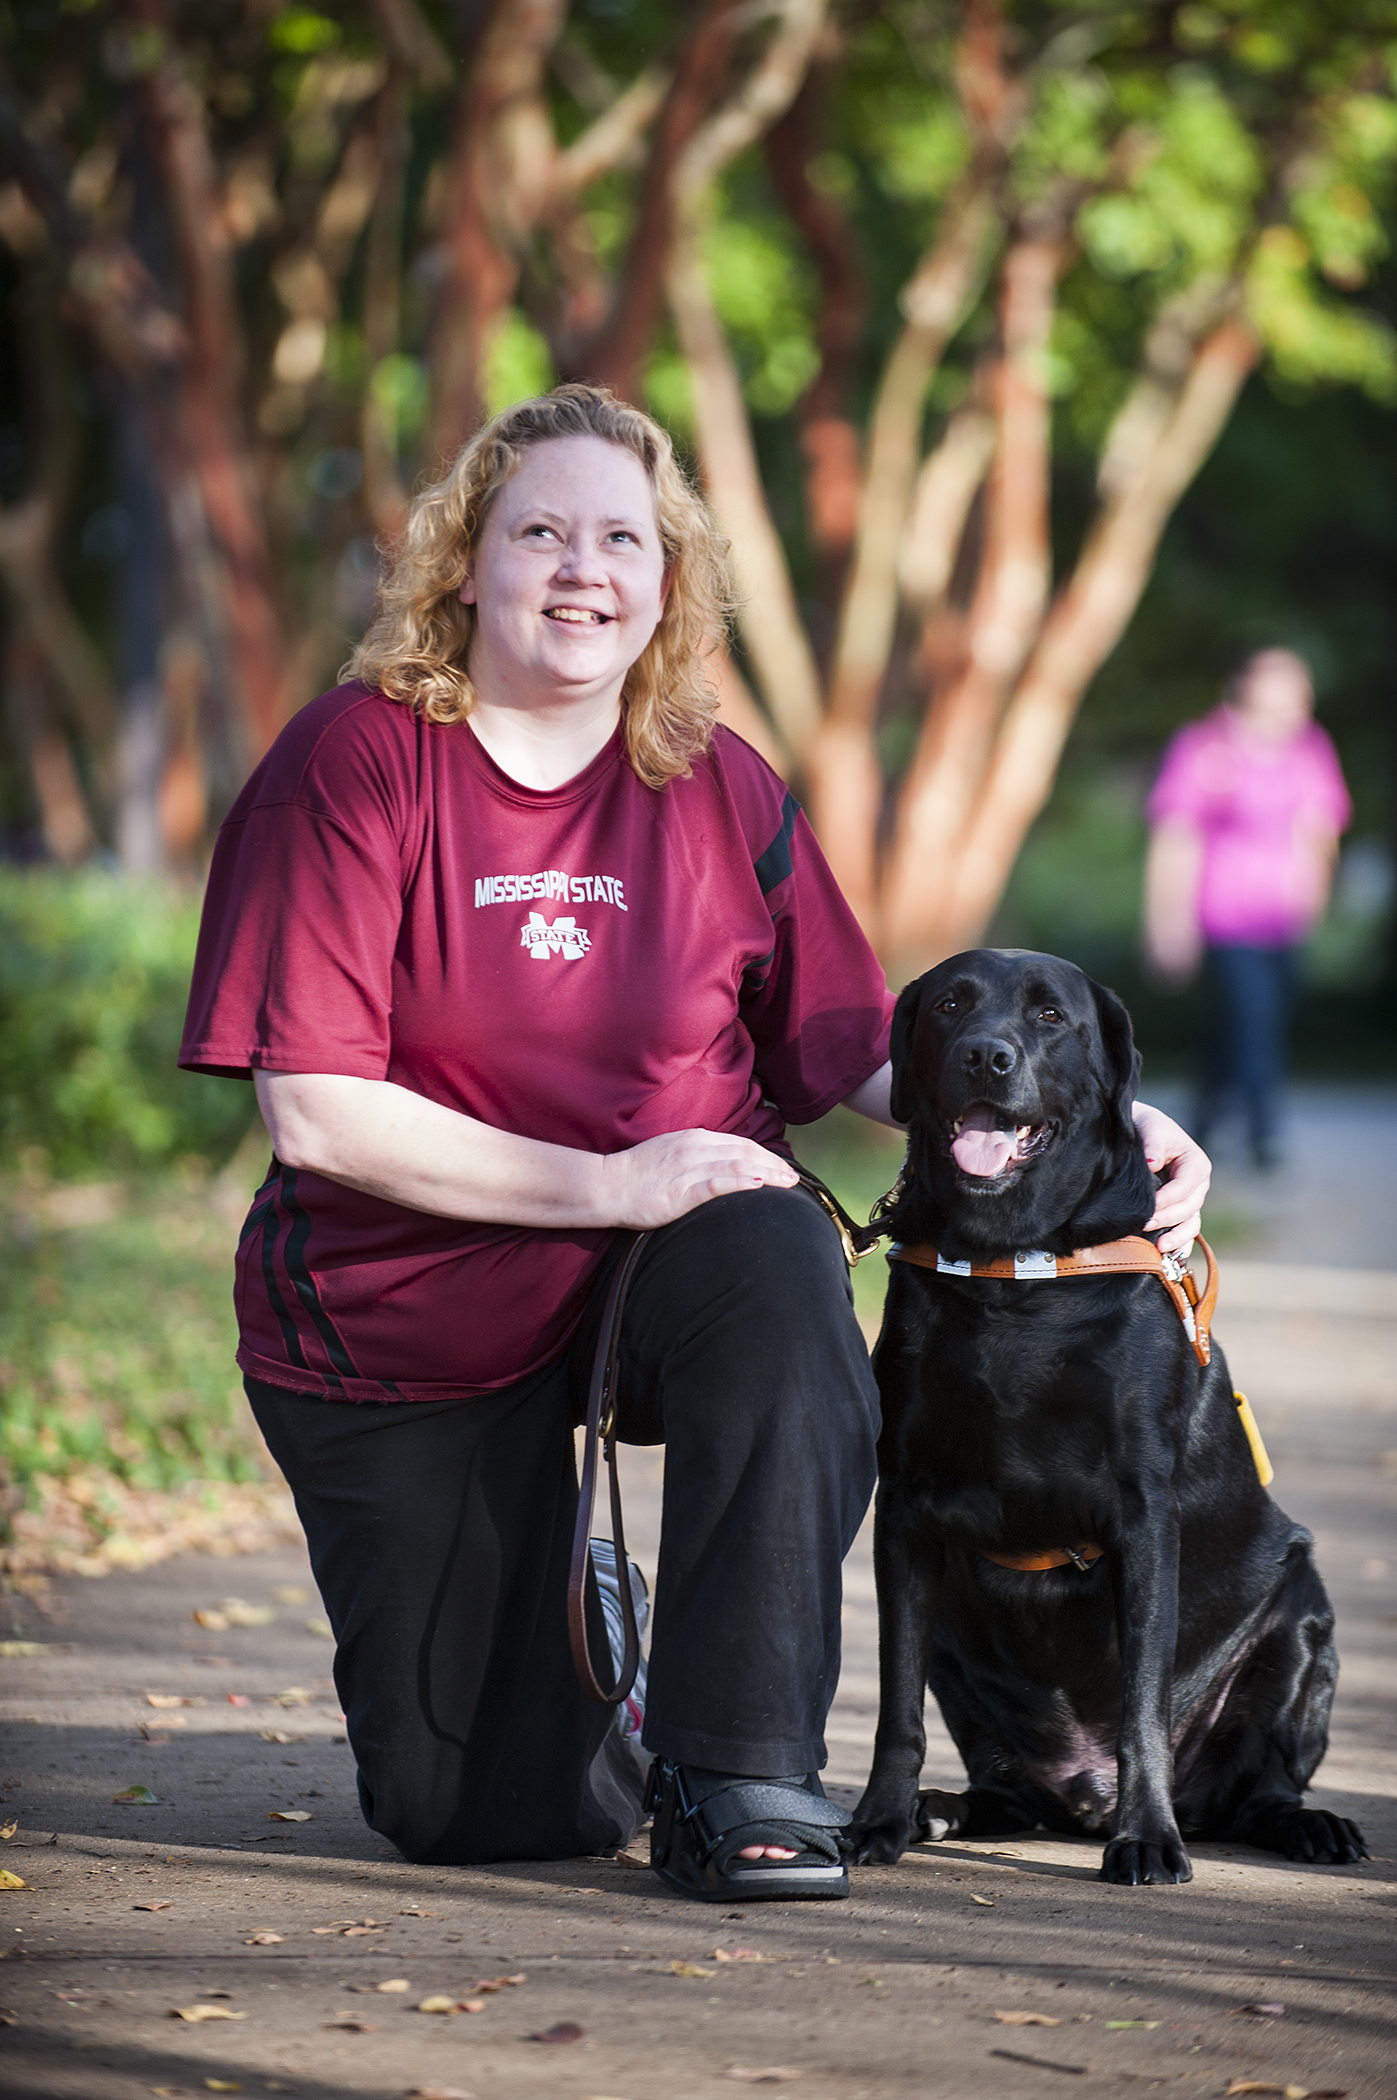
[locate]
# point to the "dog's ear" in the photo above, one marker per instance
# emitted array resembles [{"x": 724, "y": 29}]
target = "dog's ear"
[
  {"x": 902, "y": 1100},
  {"x": 1122, "y": 1192},
  {"x": 1120, "y": 1072}
]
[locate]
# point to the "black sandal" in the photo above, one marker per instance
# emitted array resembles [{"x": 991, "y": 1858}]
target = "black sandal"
[{"x": 704, "y": 1819}]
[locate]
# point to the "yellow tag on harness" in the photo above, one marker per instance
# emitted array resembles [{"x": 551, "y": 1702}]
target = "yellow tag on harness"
[{"x": 1266, "y": 1472}]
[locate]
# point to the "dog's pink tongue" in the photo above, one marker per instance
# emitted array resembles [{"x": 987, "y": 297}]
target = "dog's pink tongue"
[{"x": 982, "y": 1148}]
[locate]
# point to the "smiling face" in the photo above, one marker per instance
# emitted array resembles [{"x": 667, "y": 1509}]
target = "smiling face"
[
  {"x": 567, "y": 579},
  {"x": 1015, "y": 1073}
]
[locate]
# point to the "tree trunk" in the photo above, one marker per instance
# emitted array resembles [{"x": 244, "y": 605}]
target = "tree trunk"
[
  {"x": 829, "y": 438},
  {"x": 767, "y": 610},
  {"x": 1086, "y": 622},
  {"x": 384, "y": 496},
  {"x": 615, "y": 355},
  {"x": 846, "y": 779},
  {"x": 1010, "y": 595},
  {"x": 64, "y": 823},
  {"x": 209, "y": 415},
  {"x": 497, "y": 187}
]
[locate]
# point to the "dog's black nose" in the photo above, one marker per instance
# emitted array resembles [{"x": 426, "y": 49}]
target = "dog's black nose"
[{"x": 989, "y": 1053}]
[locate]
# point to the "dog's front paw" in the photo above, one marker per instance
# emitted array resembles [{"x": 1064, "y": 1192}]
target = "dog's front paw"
[
  {"x": 1146, "y": 1862},
  {"x": 1313, "y": 1835},
  {"x": 880, "y": 1844}
]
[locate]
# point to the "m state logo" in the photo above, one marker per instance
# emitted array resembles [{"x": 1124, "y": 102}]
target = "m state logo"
[{"x": 564, "y": 937}]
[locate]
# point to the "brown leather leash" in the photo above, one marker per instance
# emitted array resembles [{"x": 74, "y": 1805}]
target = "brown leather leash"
[{"x": 600, "y": 1440}]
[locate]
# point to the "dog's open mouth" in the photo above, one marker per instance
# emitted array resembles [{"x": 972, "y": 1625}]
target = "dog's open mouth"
[{"x": 986, "y": 1141}]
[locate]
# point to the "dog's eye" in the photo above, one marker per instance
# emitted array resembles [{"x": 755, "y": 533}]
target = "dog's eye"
[
  {"x": 947, "y": 1006},
  {"x": 1049, "y": 1013}
]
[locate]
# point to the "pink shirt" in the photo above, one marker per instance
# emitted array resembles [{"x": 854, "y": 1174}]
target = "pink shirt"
[
  {"x": 591, "y": 965},
  {"x": 1249, "y": 800}
]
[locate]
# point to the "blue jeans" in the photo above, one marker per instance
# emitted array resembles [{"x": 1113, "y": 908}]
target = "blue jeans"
[{"x": 1249, "y": 991}]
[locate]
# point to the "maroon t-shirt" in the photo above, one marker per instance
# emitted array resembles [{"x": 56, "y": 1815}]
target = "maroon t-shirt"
[{"x": 591, "y": 965}]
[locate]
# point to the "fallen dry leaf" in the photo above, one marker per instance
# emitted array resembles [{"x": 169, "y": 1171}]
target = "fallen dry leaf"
[
  {"x": 137, "y": 1797},
  {"x": 500, "y": 1983},
  {"x": 1269, "y": 2011},
  {"x": 985, "y": 1902},
  {"x": 438, "y": 2002},
  {"x": 17, "y": 1648},
  {"x": 212, "y": 1621},
  {"x": 1262, "y": 2085},
  {"x": 415, "y": 1913},
  {"x": 266, "y": 1939},
  {"x": 11, "y": 1881},
  {"x": 689, "y": 1968},
  {"x": 236, "y": 1612},
  {"x": 738, "y": 1954},
  {"x": 7, "y": 1830},
  {"x": 352, "y": 2024},
  {"x": 394, "y": 1983},
  {"x": 1026, "y": 2019},
  {"x": 238, "y": 1698},
  {"x": 276, "y": 1735},
  {"x": 156, "y": 1904},
  {"x": 629, "y": 1859},
  {"x": 1132, "y": 2023},
  {"x": 294, "y": 1695},
  {"x": 562, "y": 2031},
  {"x": 321, "y": 1628},
  {"x": 197, "y": 2013},
  {"x": 291, "y": 1593},
  {"x": 361, "y": 1932},
  {"x": 773, "y": 2074},
  {"x": 291, "y": 1815},
  {"x": 222, "y": 2085},
  {"x": 167, "y": 1701}
]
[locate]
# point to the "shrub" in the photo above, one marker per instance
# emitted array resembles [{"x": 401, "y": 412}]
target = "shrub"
[{"x": 94, "y": 973}]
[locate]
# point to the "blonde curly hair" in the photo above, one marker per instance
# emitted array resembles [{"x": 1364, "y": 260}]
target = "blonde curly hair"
[{"x": 416, "y": 649}]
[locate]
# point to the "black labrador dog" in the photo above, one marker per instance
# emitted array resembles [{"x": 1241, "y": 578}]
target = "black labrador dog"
[{"x": 1181, "y": 1682}]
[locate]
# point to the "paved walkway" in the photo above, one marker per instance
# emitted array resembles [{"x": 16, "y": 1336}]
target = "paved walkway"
[{"x": 896, "y": 1992}]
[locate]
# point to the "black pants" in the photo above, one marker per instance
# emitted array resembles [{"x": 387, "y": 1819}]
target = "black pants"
[
  {"x": 440, "y": 1532},
  {"x": 1249, "y": 992}
]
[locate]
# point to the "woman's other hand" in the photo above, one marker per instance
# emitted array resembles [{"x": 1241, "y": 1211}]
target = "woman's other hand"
[
  {"x": 1169, "y": 1150},
  {"x": 666, "y": 1177}
]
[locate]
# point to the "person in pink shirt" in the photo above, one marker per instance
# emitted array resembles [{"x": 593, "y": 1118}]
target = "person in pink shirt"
[{"x": 1245, "y": 822}]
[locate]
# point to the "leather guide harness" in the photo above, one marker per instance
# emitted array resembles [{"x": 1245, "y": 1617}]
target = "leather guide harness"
[
  {"x": 1134, "y": 1254},
  {"x": 1112, "y": 1258}
]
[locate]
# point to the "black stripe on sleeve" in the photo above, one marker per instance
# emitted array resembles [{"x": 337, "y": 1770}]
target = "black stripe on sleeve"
[
  {"x": 304, "y": 1283},
  {"x": 775, "y": 863}
]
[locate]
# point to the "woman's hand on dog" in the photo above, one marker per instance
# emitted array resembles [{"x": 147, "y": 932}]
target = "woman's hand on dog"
[
  {"x": 656, "y": 1182},
  {"x": 1188, "y": 1171}
]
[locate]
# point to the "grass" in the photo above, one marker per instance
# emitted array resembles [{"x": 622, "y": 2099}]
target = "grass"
[{"x": 117, "y": 1340}]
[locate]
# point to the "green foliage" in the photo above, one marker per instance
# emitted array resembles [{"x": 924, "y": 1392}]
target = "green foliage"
[
  {"x": 763, "y": 291},
  {"x": 519, "y": 365},
  {"x": 94, "y": 973},
  {"x": 116, "y": 1345}
]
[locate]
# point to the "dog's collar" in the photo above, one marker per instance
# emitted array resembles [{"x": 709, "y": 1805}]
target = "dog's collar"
[{"x": 1112, "y": 1257}]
